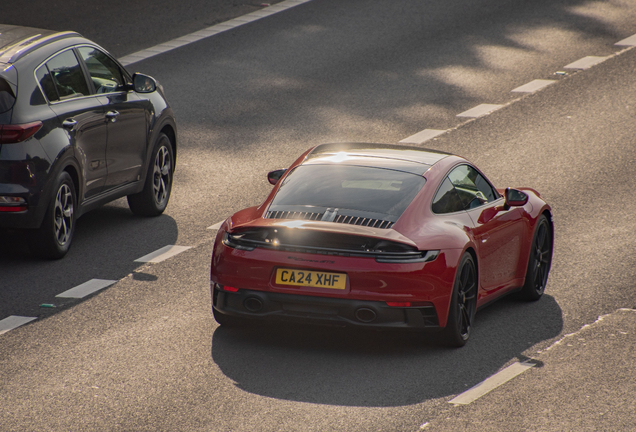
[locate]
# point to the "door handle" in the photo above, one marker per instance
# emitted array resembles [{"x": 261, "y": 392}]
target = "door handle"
[
  {"x": 112, "y": 115},
  {"x": 69, "y": 124}
]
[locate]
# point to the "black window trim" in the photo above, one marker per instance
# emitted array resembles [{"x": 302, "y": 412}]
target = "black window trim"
[{"x": 84, "y": 69}]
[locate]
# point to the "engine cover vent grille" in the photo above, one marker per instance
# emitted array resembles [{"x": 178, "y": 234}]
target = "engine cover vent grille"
[{"x": 351, "y": 220}]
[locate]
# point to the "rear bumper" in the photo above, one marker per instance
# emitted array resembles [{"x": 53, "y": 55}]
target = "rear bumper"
[{"x": 262, "y": 305}]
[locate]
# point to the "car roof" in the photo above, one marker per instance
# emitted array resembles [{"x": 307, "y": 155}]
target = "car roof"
[
  {"x": 16, "y": 41},
  {"x": 409, "y": 159}
]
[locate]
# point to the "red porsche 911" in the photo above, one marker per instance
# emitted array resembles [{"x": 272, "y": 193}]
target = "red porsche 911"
[{"x": 380, "y": 236}]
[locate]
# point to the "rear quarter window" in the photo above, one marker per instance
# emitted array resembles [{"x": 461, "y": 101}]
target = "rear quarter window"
[{"x": 7, "y": 97}]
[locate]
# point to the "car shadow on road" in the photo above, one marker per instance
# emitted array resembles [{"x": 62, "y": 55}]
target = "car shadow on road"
[
  {"x": 106, "y": 243},
  {"x": 337, "y": 366}
]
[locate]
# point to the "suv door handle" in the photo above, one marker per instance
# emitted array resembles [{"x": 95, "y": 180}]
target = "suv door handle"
[
  {"x": 69, "y": 124},
  {"x": 112, "y": 115}
]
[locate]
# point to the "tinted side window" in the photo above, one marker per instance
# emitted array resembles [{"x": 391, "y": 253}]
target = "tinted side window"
[
  {"x": 104, "y": 72},
  {"x": 46, "y": 83},
  {"x": 447, "y": 199},
  {"x": 67, "y": 75},
  {"x": 472, "y": 187},
  {"x": 7, "y": 98}
]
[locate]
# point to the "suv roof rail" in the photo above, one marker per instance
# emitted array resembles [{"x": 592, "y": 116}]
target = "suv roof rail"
[{"x": 13, "y": 52}]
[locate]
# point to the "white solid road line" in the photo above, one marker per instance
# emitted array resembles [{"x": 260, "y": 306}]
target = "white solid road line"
[
  {"x": 586, "y": 62},
  {"x": 210, "y": 31},
  {"x": 423, "y": 136},
  {"x": 87, "y": 288},
  {"x": 491, "y": 383},
  {"x": 13, "y": 321},
  {"x": 163, "y": 254},
  {"x": 630, "y": 41},
  {"x": 480, "y": 110},
  {"x": 533, "y": 86}
]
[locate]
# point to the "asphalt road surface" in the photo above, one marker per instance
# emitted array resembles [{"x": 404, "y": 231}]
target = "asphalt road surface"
[{"x": 144, "y": 353}]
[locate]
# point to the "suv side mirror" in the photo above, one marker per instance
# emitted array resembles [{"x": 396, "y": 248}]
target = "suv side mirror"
[
  {"x": 144, "y": 83},
  {"x": 515, "y": 197},
  {"x": 274, "y": 176}
]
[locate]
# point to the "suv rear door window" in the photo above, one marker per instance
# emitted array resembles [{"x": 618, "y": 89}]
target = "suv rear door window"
[{"x": 68, "y": 77}]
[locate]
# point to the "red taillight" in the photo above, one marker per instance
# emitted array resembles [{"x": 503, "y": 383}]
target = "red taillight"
[
  {"x": 230, "y": 289},
  {"x": 399, "y": 304},
  {"x": 409, "y": 304},
  {"x": 11, "y": 134},
  {"x": 13, "y": 209},
  {"x": 12, "y": 204}
]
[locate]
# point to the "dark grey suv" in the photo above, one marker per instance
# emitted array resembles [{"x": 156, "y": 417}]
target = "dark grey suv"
[{"x": 76, "y": 131}]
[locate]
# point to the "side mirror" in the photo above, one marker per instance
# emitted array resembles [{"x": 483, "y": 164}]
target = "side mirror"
[
  {"x": 274, "y": 176},
  {"x": 515, "y": 198},
  {"x": 144, "y": 83}
]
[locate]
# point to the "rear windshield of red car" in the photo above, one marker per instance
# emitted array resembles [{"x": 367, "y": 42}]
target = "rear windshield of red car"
[
  {"x": 349, "y": 188},
  {"x": 7, "y": 98}
]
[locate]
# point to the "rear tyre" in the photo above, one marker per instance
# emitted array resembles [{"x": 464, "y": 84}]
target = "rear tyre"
[
  {"x": 53, "y": 239},
  {"x": 153, "y": 199},
  {"x": 463, "y": 304},
  {"x": 539, "y": 262}
]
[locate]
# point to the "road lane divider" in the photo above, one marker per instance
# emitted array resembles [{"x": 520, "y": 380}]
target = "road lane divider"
[
  {"x": 14, "y": 321},
  {"x": 491, "y": 383},
  {"x": 533, "y": 86},
  {"x": 216, "y": 226},
  {"x": 209, "y": 31},
  {"x": 480, "y": 110},
  {"x": 86, "y": 288},
  {"x": 586, "y": 62},
  {"x": 630, "y": 41},
  {"x": 423, "y": 136},
  {"x": 163, "y": 254}
]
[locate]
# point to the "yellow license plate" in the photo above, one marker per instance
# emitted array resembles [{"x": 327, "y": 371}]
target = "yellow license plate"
[{"x": 311, "y": 278}]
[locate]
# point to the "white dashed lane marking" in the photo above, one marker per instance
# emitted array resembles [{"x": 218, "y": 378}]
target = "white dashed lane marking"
[
  {"x": 13, "y": 321},
  {"x": 491, "y": 383},
  {"x": 630, "y": 41},
  {"x": 480, "y": 110},
  {"x": 216, "y": 226},
  {"x": 423, "y": 136},
  {"x": 533, "y": 86},
  {"x": 163, "y": 254},
  {"x": 87, "y": 288},
  {"x": 586, "y": 62},
  {"x": 210, "y": 31}
]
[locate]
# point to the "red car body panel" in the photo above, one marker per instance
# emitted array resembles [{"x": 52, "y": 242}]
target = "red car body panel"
[{"x": 498, "y": 238}]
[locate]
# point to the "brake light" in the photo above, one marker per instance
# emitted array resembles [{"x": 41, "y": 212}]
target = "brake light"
[
  {"x": 12, "y": 204},
  {"x": 11, "y": 134},
  {"x": 409, "y": 304},
  {"x": 230, "y": 289},
  {"x": 399, "y": 304}
]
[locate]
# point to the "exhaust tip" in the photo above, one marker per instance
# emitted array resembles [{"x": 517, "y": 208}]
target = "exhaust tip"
[
  {"x": 365, "y": 315},
  {"x": 253, "y": 304}
]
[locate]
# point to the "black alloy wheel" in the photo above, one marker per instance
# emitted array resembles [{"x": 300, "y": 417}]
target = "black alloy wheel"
[
  {"x": 463, "y": 304},
  {"x": 539, "y": 261},
  {"x": 153, "y": 199},
  {"x": 53, "y": 239}
]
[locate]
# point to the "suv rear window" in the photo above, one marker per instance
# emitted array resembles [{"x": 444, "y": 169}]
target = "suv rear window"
[{"x": 7, "y": 98}]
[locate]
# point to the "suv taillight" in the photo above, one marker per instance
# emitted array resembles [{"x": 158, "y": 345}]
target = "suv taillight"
[{"x": 11, "y": 134}]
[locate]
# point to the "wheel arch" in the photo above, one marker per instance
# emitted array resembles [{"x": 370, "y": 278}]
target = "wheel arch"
[{"x": 169, "y": 131}]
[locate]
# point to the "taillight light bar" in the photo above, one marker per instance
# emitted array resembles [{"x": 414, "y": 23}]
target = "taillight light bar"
[
  {"x": 12, "y": 204},
  {"x": 11, "y": 134}
]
